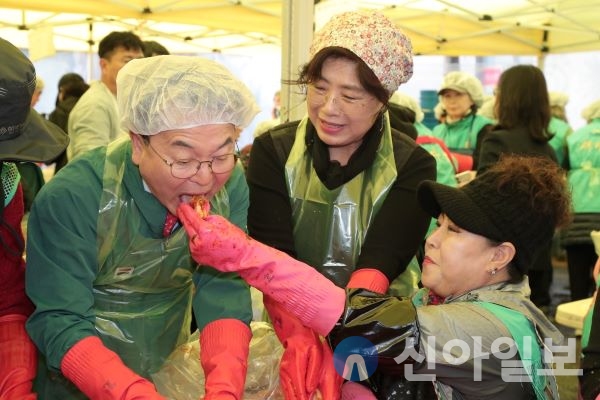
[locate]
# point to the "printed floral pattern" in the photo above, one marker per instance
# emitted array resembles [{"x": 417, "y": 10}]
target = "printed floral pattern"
[{"x": 373, "y": 38}]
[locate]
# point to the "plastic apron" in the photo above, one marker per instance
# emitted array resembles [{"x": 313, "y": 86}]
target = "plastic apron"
[
  {"x": 461, "y": 136},
  {"x": 330, "y": 225},
  {"x": 143, "y": 290},
  {"x": 519, "y": 328}
]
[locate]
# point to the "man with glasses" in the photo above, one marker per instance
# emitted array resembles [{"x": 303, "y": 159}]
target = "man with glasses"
[{"x": 109, "y": 268}]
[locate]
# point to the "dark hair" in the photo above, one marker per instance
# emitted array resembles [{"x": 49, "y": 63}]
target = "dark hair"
[
  {"x": 522, "y": 100},
  {"x": 152, "y": 48},
  {"x": 128, "y": 40},
  {"x": 311, "y": 72},
  {"x": 74, "y": 89},
  {"x": 69, "y": 77},
  {"x": 543, "y": 185}
]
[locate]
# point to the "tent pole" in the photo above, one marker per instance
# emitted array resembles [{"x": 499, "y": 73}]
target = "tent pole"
[
  {"x": 541, "y": 60},
  {"x": 296, "y": 36},
  {"x": 90, "y": 54}
]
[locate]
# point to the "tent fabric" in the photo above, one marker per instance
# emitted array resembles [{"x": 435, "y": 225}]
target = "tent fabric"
[{"x": 453, "y": 27}]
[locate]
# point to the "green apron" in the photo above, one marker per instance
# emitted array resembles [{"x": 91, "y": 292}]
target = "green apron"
[{"x": 330, "y": 225}]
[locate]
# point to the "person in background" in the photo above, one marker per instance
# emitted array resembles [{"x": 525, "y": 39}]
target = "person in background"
[
  {"x": 71, "y": 87},
  {"x": 94, "y": 121},
  {"x": 523, "y": 111},
  {"x": 583, "y": 164},
  {"x": 344, "y": 169},
  {"x": 32, "y": 177},
  {"x": 108, "y": 266},
  {"x": 446, "y": 167},
  {"x": 152, "y": 48},
  {"x": 404, "y": 100},
  {"x": 474, "y": 298},
  {"x": 487, "y": 108},
  {"x": 461, "y": 94},
  {"x": 559, "y": 126},
  {"x": 27, "y": 137},
  {"x": 37, "y": 93},
  {"x": 275, "y": 119}
]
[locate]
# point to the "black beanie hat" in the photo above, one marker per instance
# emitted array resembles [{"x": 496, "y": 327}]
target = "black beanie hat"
[{"x": 502, "y": 213}]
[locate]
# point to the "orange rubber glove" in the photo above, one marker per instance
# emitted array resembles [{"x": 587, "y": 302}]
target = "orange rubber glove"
[
  {"x": 330, "y": 383},
  {"x": 224, "y": 348},
  {"x": 100, "y": 374},
  {"x": 307, "y": 362},
  {"x": 18, "y": 359},
  {"x": 300, "y": 368},
  {"x": 369, "y": 278}
]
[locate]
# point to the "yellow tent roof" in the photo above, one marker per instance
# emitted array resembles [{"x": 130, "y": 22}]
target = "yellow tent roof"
[{"x": 456, "y": 27}]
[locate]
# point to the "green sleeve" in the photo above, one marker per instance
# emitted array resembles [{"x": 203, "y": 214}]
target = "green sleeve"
[{"x": 61, "y": 261}]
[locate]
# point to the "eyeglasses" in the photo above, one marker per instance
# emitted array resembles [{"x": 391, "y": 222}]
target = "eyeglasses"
[
  {"x": 318, "y": 96},
  {"x": 184, "y": 169}
]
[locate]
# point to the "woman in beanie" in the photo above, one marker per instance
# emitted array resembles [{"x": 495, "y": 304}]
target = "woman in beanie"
[
  {"x": 337, "y": 189},
  {"x": 523, "y": 110},
  {"x": 472, "y": 329},
  {"x": 460, "y": 97}
]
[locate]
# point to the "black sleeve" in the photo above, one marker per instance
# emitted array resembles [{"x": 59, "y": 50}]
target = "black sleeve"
[
  {"x": 270, "y": 212},
  {"x": 590, "y": 359},
  {"x": 483, "y": 133},
  {"x": 492, "y": 147},
  {"x": 389, "y": 323},
  {"x": 399, "y": 227}
]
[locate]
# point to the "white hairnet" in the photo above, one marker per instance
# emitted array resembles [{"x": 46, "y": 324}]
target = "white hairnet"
[
  {"x": 592, "y": 111},
  {"x": 464, "y": 83},
  {"x": 157, "y": 94},
  {"x": 410, "y": 102},
  {"x": 558, "y": 99}
]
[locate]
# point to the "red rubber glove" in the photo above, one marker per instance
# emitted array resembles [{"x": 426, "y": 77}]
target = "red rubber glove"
[
  {"x": 100, "y": 374},
  {"x": 370, "y": 279},
  {"x": 330, "y": 383},
  {"x": 224, "y": 348},
  {"x": 300, "y": 368},
  {"x": 299, "y": 288},
  {"x": 18, "y": 359}
]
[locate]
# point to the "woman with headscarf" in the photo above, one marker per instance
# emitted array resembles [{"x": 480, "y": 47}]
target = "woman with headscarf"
[{"x": 337, "y": 189}]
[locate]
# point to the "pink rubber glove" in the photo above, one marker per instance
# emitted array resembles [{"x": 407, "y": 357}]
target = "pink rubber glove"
[
  {"x": 356, "y": 391},
  {"x": 100, "y": 374},
  {"x": 18, "y": 359},
  {"x": 300, "y": 368},
  {"x": 303, "y": 291},
  {"x": 224, "y": 347}
]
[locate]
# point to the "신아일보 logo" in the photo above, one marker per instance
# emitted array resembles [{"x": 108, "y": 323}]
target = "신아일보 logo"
[{"x": 355, "y": 358}]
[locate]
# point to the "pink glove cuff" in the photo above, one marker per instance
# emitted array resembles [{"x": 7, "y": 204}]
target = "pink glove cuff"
[
  {"x": 356, "y": 391},
  {"x": 370, "y": 279}
]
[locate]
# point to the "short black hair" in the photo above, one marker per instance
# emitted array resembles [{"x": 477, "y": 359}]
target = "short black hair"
[
  {"x": 152, "y": 48},
  {"x": 128, "y": 40}
]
